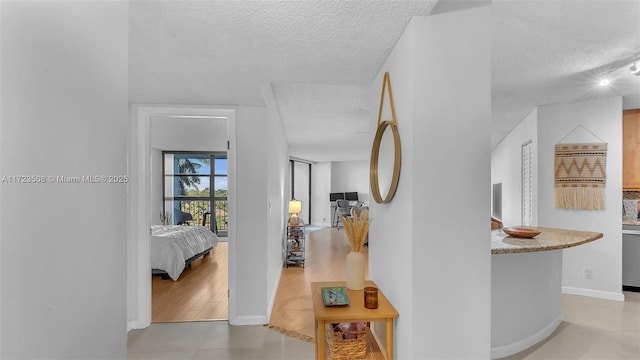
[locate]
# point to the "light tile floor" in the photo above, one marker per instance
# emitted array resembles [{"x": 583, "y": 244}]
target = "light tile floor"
[
  {"x": 214, "y": 340},
  {"x": 592, "y": 329}
]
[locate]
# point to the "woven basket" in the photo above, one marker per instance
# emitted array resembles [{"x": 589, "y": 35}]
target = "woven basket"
[{"x": 354, "y": 347}]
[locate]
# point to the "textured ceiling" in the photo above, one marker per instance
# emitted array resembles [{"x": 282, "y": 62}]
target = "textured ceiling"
[
  {"x": 220, "y": 52},
  {"x": 340, "y": 112},
  {"x": 557, "y": 51},
  {"x": 321, "y": 56}
]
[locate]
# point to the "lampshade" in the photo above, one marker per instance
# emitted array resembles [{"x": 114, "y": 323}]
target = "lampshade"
[{"x": 295, "y": 206}]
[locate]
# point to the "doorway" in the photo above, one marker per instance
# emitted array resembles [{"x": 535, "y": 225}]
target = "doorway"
[
  {"x": 149, "y": 135},
  {"x": 195, "y": 193}
]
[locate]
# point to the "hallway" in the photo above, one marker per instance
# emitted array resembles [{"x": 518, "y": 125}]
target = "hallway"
[{"x": 326, "y": 254}]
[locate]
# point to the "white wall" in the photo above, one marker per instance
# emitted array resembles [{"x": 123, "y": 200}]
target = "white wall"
[
  {"x": 251, "y": 242},
  {"x": 320, "y": 189},
  {"x": 188, "y": 134},
  {"x": 337, "y": 176},
  {"x": 276, "y": 204},
  {"x": 64, "y": 112},
  {"x": 420, "y": 255},
  {"x": 446, "y": 178},
  {"x": 349, "y": 176},
  {"x": 506, "y": 168},
  {"x": 391, "y": 234},
  {"x": 604, "y": 257}
]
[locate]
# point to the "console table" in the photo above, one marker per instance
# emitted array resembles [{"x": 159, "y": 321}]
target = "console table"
[{"x": 354, "y": 312}]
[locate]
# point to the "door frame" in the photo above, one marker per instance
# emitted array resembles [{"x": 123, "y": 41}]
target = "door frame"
[{"x": 139, "y": 206}]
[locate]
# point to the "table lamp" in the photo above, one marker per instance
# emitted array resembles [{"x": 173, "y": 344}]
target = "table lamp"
[{"x": 295, "y": 207}]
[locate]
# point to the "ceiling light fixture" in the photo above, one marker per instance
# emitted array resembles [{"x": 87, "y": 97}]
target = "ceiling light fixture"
[
  {"x": 634, "y": 69},
  {"x": 605, "y": 82}
]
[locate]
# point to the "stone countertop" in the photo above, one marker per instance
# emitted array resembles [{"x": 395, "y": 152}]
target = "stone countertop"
[
  {"x": 630, "y": 221},
  {"x": 548, "y": 239}
]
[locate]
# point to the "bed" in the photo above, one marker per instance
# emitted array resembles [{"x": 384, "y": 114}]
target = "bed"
[{"x": 174, "y": 247}]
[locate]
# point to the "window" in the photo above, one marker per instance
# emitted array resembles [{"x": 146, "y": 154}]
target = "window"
[
  {"x": 301, "y": 187},
  {"x": 527, "y": 183},
  {"x": 496, "y": 208},
  {"x": 193, "y": 181}
]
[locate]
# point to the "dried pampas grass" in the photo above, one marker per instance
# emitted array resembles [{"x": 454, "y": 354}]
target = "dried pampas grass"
[{"x": 356, "y": 228}]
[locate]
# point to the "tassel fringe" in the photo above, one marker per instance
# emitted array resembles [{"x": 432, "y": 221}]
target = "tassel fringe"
[{"x": 580, "y": 198}]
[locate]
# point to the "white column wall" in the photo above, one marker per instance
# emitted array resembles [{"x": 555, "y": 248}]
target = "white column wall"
[
  {"x": 451, "y": 189},
  {"x": 603, "y": 257},
  {"x": 506, "y": 168},
  {"x": 64, "y": 113},
  {"x": 391, "y": 235},
  {"x": 432, "y": 240},
  {"x": 251, "y": 219}
]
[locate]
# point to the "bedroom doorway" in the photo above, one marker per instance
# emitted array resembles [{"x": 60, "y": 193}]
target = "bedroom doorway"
[
  {"x": 179, "y": 129},
  {"x": 195, "y": 193}
]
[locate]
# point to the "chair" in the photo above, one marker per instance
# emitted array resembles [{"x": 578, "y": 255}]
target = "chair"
[
  {"x": 213, "y": 226},
  {"x": 342, "y": 208},
  {"x": 183, "y": 218}
]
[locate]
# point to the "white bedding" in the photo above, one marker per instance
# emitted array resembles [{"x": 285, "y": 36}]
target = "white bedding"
[{"x": 171, "y": 245}]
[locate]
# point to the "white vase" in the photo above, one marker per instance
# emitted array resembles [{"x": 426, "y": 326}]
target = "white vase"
[{"x": 355, "y": 270}]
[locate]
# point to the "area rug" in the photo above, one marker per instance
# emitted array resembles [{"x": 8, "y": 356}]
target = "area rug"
[
  {"x": 580, "y": 176},
  {"x": 292, "y": 334}
]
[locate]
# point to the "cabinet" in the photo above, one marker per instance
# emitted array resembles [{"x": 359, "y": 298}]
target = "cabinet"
[
  {"x": 295, "y": 246},
  {"x": 631, "y": 150},
  {"x": 631, "y": 259}
]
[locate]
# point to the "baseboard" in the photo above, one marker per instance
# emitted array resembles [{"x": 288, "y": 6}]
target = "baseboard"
[
  {"x": 630, "y": 288},
  {"x": 593, "y": 293},
  {"x": 135, "y": 324},
  {"x": 249, "y": 320},
  {"x": 514, "y": 348}
]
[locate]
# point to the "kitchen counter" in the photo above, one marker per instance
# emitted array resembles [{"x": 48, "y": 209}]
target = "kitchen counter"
[
  {"x": 549, "y": 239},
  {"x": 630, "y": 222},
  {"x": 526, "y": 287}
]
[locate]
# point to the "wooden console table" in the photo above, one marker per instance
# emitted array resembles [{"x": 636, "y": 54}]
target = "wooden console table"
[{"x": 354, "y": 312}]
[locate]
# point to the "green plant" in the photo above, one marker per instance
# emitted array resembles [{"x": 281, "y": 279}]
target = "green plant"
[{"x": 165, "y": 218}]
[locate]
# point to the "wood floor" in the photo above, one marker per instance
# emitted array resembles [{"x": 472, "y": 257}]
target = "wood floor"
[
  {"x": 199, "y": 294},
  {"x": 201, "y": 291},
  {"x": 326, "y": 252}
]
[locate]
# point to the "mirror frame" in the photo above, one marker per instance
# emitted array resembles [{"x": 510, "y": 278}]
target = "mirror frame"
[
  {"x": 375, "y": 154},
  {"x": 375, "y": 150}
]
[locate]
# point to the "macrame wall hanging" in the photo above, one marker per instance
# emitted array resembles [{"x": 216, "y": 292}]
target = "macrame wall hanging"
[{"x": 580, "y": 171}]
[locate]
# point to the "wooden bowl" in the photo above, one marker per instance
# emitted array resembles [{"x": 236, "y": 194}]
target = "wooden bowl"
[{"x": 522, "y": 232}]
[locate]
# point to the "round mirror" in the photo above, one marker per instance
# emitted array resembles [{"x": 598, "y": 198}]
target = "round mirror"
[{"x": 385, "y": 162}]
